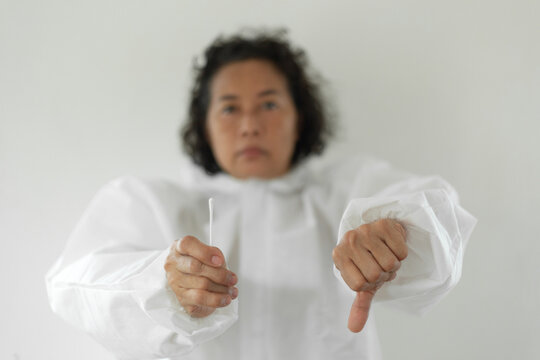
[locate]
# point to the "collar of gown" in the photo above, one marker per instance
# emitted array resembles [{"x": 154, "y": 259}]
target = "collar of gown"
[{"x": 291, "y": 182}]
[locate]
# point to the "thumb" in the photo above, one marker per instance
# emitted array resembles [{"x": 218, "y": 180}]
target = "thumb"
[{"x": 360, "y": 310}]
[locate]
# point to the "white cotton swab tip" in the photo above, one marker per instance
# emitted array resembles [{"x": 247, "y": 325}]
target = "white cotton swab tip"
[{"x": 211, "y": 209}]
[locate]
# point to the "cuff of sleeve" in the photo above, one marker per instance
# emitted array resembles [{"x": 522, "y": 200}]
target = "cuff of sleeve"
[
  {"x": 434, "y": 240},
  {"x": 162, "y": 306}
]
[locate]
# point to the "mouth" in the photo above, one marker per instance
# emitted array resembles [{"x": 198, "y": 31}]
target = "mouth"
[{"x": 251, "y": 152}]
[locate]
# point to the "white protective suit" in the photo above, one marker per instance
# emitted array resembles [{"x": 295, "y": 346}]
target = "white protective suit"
[{"x": 277, "y": 236}]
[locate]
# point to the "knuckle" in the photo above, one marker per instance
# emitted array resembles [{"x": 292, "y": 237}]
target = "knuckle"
[
  {"x": 181, "y": 295},
  {"x": 199, "y": 297},
  {"x": 349, "y": 238},
  {"x": 204, "y": 283},
  {"x": 399, "y": 227},
  {"x": 223, "y": 276},
  {"x": 372, "y": 275},
  {"x": 388, "y": 264},
  {"x": 335, "y": 254},
  {"x": 195, "y": 266},
  {"x": 364, "y": 230},
  {"x": 167, "y": 266},
  {"x": 357, "y": 284},
  {"x": 385, "y": 226},
  {"x": 169, "y": 277},
  {"x": 186, "y": 242},
  {"x": 381, "y": 225},
  {"x": 170, "y": 264},
  {"x": 172, "y": 279},
  {"x": 364, "y": 234},
  {"x": 403, "y": 253},
  {"x": 183, "y": 244}
]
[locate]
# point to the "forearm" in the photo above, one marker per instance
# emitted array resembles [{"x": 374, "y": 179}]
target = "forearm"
[{"x": 124, "y": 302}]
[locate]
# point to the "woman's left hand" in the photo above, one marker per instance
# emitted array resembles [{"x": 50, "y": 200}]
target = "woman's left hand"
[{"x": 367, "y": 257}]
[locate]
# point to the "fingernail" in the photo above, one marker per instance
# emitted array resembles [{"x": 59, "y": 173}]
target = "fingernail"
[
  {"x": 225, "y": 301},
  {"x": 216, "y": 260},
  {"x": 231, "y": 279},
  {"x": 233, "y": 292}
]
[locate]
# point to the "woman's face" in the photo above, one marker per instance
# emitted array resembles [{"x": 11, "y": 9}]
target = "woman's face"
[{"x": 252, "y": 120}]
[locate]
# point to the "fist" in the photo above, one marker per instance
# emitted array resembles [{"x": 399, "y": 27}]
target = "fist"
[
  {"x": 367, "y": 257},
  {"x": 198, "y": 276}
]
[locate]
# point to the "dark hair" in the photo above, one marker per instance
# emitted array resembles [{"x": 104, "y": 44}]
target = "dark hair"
[{"x": 313, "y": 126}]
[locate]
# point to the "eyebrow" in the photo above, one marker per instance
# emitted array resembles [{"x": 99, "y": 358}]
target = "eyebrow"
[
  {"x": 268, "y": 92},
  {"x": 261, "y": 94}
]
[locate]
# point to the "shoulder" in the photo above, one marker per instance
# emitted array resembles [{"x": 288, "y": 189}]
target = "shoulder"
[
  {"x": 347, "y": 168},
  {"x": 364, "y": 175},
  {"x": 141, "y": 186},
  {"x": 151, "y": 191}
]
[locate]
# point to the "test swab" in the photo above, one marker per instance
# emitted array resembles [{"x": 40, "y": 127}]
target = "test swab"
[{"x": 211, "y": 208}]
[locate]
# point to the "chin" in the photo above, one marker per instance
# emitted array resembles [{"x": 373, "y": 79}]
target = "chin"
[{"x": 258, "y": 172}]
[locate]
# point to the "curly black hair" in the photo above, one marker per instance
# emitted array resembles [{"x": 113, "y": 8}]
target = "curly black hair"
[{"x": 313, "y": 125}]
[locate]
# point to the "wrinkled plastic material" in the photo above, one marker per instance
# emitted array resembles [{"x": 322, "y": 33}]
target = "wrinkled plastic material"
[{"x": 277, "y": 236}]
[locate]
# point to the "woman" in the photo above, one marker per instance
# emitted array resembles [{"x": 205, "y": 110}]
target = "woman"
[{"x": 297, "y": 255}]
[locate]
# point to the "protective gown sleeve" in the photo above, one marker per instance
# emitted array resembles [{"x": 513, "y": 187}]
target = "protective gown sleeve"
[
  {"x": 111, "y": 283},
  {"x": 438, "y": 229}
]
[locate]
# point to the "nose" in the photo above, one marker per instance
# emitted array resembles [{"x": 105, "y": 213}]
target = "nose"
[{"x": 250, "y": 125}]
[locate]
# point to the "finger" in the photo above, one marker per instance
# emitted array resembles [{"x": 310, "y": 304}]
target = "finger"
[
  {"x": 385, "y": 276},
  {"x": 365, "y": 262},
  {"x": 353, "y": 276},
  {"x": 204, "y": 298},
  {"x": 188, "y": 281},
  {"x": 382, "y": 254},
  {"x": 399, "y": 227},
  {"x": 192, "y": 266},
  {"x": 198, "y": 311},
  {"x": 360, "y": 310},
  {"x": 394, "y": 235},
  {"x": 208, "y": 255}
]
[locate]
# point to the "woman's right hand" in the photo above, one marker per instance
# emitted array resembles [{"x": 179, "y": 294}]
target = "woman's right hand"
[{"x": 198, "y": 275}]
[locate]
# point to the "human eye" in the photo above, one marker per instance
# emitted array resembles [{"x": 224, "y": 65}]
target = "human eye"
[
  {"x": 228, "y": 109},
  {"x": 269, "y": 105}
]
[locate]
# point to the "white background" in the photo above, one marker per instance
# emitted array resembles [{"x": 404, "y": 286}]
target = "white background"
[{"x": 97, "y": 89}]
